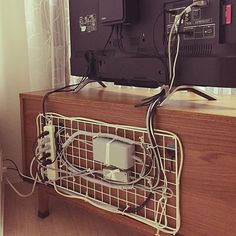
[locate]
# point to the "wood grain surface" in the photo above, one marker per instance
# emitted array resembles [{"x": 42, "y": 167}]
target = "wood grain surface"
[
  {"x": 206, "y": 128},
  {"x": 65, "y": 218}
]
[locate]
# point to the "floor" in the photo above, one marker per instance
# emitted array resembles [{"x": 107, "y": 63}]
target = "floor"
[{"x": 65, "y": 219}]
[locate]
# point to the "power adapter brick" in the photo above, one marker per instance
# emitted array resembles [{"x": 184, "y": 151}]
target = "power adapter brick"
[
  {"x": 113, "y": 152},
  {"x": 115, "y": 174}
]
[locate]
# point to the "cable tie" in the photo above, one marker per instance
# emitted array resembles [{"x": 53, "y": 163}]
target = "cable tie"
[
  {"x": 127, "y": 207},
  {"x": 90, "y": 171},
  {"x": 86, "y": 197},
  {"x": 149, "y": 181},
  {"x": 141, "y": 138},
  {"x": 152, "y": 147},
  {"x": 116, "y": 130}
]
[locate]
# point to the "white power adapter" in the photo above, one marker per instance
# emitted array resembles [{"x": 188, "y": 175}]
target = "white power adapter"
[
  {"x": 113, "y": 152},
  {"x": 50, "y": 148},
  {"x": 116, "y": 175}
]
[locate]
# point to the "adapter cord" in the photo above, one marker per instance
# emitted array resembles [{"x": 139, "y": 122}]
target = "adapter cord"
[{"x": 23, "y": 177}]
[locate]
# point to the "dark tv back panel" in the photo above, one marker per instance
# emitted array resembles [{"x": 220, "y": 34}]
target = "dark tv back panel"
[
  {"x": 200, "y": 29},
  {"x": 137, "y": 64},
  {"x": 207, "y": 55},
  {"x": 118, "y": 12},
  {"x": 208, "y": 50}
]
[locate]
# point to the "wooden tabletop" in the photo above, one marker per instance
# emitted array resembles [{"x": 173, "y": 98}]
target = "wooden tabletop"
[{"x": 225, "y": 105}]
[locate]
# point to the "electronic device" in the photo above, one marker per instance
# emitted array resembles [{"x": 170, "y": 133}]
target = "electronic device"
[
  {"x": 118, "y": 12},
  {"x": 128, "y": 45},
  {"x": 122, "y": 53},
  {"x": 208, "y": 43}
]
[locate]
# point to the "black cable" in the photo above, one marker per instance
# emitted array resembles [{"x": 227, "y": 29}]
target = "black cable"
[
  {"x": 150, "y": 128},
  {"x": 121, "y": 36},
  {"x": 16, "y": 168},
  {"x": 158, "y": 54},
  {"x": 62, "y": 89},
  {"x": 14, "y": 164},
  {"x": 152, "y": 103},
  {"x": 109, "y": 39},
  {"x": 149, "y": 100},
  {"x": 139, "y": 207},
  {"x": 154, "y": 35},
  {"x": 42, "y": 178}
]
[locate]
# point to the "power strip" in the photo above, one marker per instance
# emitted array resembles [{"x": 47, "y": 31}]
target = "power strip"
[{"x": 52, "y": 168}]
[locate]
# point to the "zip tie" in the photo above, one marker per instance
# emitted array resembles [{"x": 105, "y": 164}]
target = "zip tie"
[
  {"x": 86, "y": 197},
  {"x": 152, "y": 147},
  {"x": 127, "y": 207},
  {"x": 149, "y": 181}
]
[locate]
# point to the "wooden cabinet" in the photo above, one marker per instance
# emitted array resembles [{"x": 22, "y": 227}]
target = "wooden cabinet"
[{"x": 207, "y": 130}]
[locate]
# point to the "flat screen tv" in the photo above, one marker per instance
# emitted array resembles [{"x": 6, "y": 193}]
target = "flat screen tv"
[{"x": 125, "y": 42}]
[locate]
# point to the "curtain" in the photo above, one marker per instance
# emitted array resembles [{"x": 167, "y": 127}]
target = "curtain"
[
  {"x": 14, "y": 77},
  {"x": 47, "y": 24},
  {"x": 34, "y": 56}
]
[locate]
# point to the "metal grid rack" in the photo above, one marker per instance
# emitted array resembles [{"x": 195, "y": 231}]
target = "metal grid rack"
[{"x": 161, "y": 211}]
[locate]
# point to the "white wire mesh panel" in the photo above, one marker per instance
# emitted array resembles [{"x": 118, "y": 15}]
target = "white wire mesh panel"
[{"x": 157, "y": 207}]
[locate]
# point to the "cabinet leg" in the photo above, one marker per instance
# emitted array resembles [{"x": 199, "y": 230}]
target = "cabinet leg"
[{"x": 43, "y": 203}]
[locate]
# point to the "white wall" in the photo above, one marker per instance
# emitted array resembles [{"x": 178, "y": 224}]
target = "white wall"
[
  {"x": 14, "y": 76},
  {"x": 1, "y": 186}
]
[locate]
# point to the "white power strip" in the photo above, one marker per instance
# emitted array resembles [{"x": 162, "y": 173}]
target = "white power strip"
[{"x": 51, "y": 170}]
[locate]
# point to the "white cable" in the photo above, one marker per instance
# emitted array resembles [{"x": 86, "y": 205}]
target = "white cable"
[
  {"x": 104, "y": 206},
  {"x": 19, "y": 193},
  {"x": 163, "y": 190},
  {"x": 96, "y": 135},
  {"x": 175, "y": 28},
  {"x": 105, "y": 135},
  {"x": 98, "y": 204},
  {"x": 175, "y": 62}
]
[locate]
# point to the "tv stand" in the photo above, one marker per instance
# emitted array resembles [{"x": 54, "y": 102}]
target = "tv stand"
[
  {"x": 192, "y": 89},
  {"x": 87, "y": 81},
  {"x": 208, "y": 195}
]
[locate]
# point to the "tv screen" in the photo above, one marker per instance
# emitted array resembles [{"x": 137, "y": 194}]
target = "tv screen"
[{"x": 126, "y": 42}]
